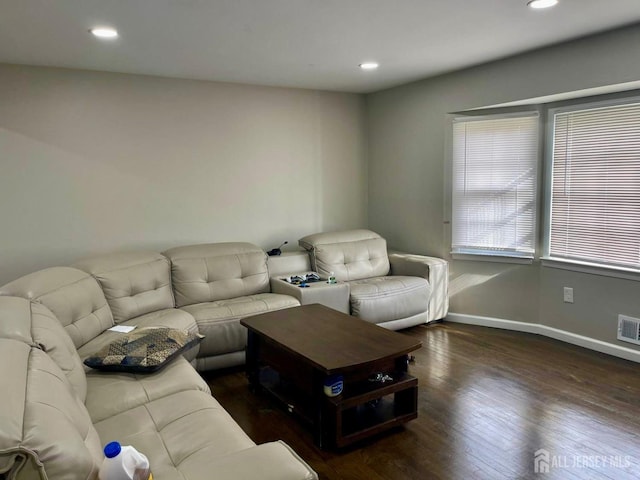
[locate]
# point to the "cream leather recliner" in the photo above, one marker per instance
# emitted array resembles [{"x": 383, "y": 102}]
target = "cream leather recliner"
[
  {"x": 392, "y": 290},
  {"x": 219, "y": 284}
]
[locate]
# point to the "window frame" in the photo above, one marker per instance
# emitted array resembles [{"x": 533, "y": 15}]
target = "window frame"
[
  {"x": 489, "y": 114},
  {"x": 577, "y": 104}
]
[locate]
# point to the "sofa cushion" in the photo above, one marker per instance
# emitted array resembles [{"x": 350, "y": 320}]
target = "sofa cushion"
[
  {"x": 350, "y": 255},
  {"x": 134, "y": 283},
  {"x": 45, "y": 426},
  {"x": 383, "y": 299},
  {"x": 74, "y": 297},
  {"x": 219, "y": 321},
  {"x": 171, "y": 318},
  {"x": 144, "y": 350},
  {"x": 218, "y": 271},
  {"x": 175, "y": 431},
  {"x": 35, "y": 325},
  {"x": 110, "y": 393},
  {"x": 284, "y": 464}
]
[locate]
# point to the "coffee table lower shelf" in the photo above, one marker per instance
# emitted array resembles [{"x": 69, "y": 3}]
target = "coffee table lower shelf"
[
  {"x": 365, "y": 409},
  {"x": 373, "y": 409}
]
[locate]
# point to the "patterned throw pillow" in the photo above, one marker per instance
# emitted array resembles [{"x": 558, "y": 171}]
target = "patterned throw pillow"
[{"x": 143, "y": 351}]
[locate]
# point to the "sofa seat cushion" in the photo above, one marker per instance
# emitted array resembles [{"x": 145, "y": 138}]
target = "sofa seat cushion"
[
  {"x": 283, "y": 462},
  {"x": 383, "y": 299},
  {"x": 219, "y": 321},
  {"x": 110, "y": 393},
  {"x": 176, "y": 431},
  {"x": 170, "y": 317}
]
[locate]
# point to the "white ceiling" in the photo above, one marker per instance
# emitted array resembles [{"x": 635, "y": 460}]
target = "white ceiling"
[{"x": 295, "y": 43}]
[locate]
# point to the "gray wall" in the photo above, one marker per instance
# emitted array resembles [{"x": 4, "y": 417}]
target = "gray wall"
[
  {"x": 408, "y": 183},
  {"x": 94, "y": 162}
]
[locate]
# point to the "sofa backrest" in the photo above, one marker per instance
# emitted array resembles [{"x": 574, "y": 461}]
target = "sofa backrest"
[
  {"x": 46, "y": 429},
  {"x": 350, "y": 255},
  {"x": 134, "y": 283},
  {"x": 217, "y": 271},
  {"x": 34, "y": 324},
  {"x": 74, "y": 297}
]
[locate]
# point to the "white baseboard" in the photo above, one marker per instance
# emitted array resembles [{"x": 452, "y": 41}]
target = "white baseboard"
[{"x": 562, "y": 335}]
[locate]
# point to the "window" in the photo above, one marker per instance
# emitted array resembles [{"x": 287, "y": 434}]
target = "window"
[
  {"x": 594, "y": 209},
  {"x": 495, "y": 167}
]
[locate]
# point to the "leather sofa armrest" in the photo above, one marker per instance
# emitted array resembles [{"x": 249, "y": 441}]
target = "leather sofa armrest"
[
  {"x": 284, "y": 288},
  {"x": 268, "y": 461},
  {"x": 435, "y": 270}
]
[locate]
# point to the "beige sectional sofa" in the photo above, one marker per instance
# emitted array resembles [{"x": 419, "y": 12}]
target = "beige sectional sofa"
[
  {"x": 56, "y": 414},
  {"x": 56, "y": 417},
  {"x": 206, "y": 288}
]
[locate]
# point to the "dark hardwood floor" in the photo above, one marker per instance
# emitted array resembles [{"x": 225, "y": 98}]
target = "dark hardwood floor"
[{"x": 488, "y": 401}]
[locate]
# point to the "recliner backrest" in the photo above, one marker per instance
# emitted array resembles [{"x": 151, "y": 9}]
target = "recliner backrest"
[
  {"x": 46, "y": 429},
  {"x": 134, "y": 283},
  {"x": 74, "y": 297},
  {"x": 350, "y": 255},
  {"x": 35, "y": 325},
  {"x": 217, "y": 271}
]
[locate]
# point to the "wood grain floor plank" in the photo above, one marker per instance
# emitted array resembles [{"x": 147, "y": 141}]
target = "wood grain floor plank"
[{"x": 488, "y": 400}]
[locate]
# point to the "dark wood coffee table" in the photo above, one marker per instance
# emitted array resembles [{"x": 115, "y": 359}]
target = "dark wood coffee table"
[{"x": 291, "y": 352}]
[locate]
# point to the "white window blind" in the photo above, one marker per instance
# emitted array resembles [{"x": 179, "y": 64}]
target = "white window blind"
[
  {"x": 595, "y": 194},
  {"x": 495, "y": 166}
]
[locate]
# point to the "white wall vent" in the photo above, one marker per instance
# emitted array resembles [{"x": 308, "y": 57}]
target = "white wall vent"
[{"x": 629, "y": 329}]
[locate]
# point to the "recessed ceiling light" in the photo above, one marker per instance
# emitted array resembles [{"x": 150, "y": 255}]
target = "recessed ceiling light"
[
  {"x": 369, "y": 66},
  {"x": 542, "y": 3},
  {"x": 104, "y": 32}
]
